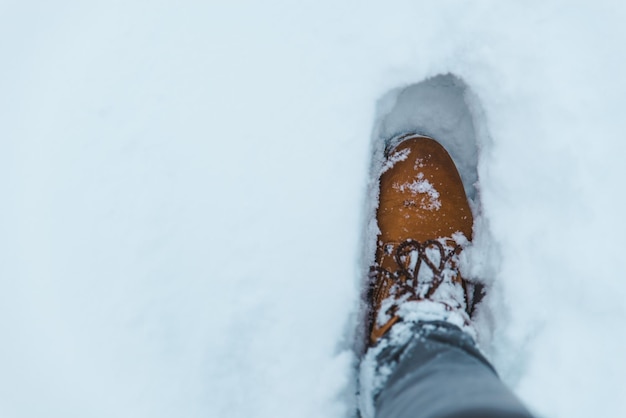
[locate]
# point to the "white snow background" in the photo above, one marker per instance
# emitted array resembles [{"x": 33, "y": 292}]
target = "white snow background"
[{"x": 183, "y": 187}]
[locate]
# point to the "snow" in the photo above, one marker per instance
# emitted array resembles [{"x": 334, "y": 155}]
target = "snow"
[
  {"x": 422, "y": 186},
  {"x": 394, "y": 158},
  {"x": 184, "y": 198}
]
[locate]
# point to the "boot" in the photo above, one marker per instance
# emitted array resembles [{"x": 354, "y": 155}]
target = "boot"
[{"x": 425, "y": 221}]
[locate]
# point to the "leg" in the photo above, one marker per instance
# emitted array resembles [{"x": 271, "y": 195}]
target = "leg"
[{"x": 441, "y": 374}]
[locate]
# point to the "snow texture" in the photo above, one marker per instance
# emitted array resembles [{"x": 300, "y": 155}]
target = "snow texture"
[{"x": 185, "y": 199}]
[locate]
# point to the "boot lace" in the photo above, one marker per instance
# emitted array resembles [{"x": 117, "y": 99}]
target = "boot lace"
[{"x": 402, "y": 284}]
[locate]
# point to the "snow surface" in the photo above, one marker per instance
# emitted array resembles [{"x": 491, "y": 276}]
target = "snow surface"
[{"x": 184, "y": 198}]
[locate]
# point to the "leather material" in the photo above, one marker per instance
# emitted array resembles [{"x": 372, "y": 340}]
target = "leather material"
[{"x": 421, "y": 199}]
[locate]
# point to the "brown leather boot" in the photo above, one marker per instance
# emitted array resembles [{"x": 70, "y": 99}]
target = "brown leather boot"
[{"x": 424, "y": 220}]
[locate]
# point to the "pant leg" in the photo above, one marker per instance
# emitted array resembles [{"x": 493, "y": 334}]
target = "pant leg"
[{"x": 441, "y": 374}]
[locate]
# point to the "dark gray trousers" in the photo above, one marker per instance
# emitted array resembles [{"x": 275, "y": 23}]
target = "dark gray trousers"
[{"x": 441, "y": 374}]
